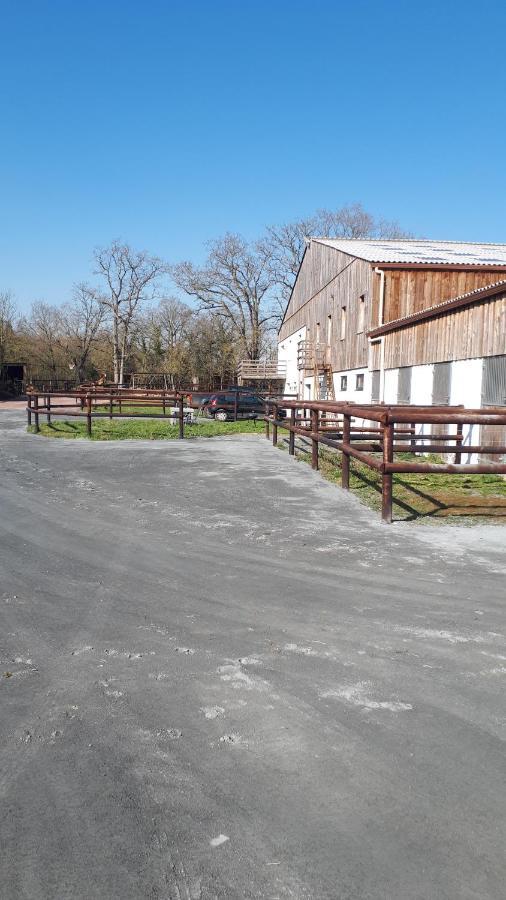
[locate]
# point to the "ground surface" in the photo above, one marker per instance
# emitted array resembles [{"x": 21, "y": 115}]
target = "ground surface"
[{"x": 223, "y": 678}]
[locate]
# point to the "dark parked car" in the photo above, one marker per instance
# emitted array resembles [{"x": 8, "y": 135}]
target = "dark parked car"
[{"x": 222, "y": 406}]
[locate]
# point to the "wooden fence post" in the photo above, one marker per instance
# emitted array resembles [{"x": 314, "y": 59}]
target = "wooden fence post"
[
  {"x": 413, "y": 438},
  {"x": 36, "y": 412},
  {"x": 48, "y": 409},
  {"x": 459, "y": 441},
  {"x": 181, "y": 418},
  {"x": 110, "y": 407},
  {"x": 388, "y": 457},
  {"x": 291, "y": 435},
  {"x": 267, "y": 423},
  {"x": 314, "y": 440},
  {"x": 88, "y": 415},
  {"x": 236, "y": 405},
  {"x": 29, "y": 409},
  {"x": 274, "y": 424},
  {"x": 345, "y": 459}
]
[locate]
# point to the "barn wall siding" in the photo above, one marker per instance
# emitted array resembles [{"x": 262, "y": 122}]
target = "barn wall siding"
[
  {"x": 328, "y": 281},
  {"x": 468, "y": 333},
  {"x": 408, "y": 291}
]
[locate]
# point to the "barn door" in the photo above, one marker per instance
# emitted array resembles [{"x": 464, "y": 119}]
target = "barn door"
[
  {"x": 493, "y": 389},
  {"x": 404, "y": 385},
  {"x": 441, "y": 384}
]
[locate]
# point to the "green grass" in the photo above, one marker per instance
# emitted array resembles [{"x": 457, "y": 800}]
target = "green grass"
[
  {"x": 469, "y": 498},
  {"x": 143, "y": 429}
]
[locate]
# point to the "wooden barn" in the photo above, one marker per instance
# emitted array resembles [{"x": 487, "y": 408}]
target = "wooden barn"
[{"x": 397, "y": 321}]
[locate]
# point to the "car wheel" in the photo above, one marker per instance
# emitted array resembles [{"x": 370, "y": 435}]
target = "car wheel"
[{"x": 221, "y": 415}]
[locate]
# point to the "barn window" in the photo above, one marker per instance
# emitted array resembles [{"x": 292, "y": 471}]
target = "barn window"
[
  {"x": 361, "y": 314},
  {"x": 359, "y": 382},
  {"x": 343, "y": 323},
  {"x": 344, "y": 382}
]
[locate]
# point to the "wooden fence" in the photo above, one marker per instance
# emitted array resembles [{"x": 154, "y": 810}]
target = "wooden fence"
[
  {"x": 110, "y": 403},
  {"x": 374, "y": 434}
]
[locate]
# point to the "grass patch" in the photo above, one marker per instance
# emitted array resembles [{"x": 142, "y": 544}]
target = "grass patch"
[
  {"x": 143, "y": 429},
  {"x": 469, "y": 498}
]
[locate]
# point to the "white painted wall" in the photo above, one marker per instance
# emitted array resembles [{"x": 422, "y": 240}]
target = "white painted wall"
[
  {"x": 421, "y": 385},
  {"x": 391, "y": 385},
  {"x": 351, "y": 394},
  {"x": 466, "y": 381},
  {"x": 467, "y": 375},
  {"x": 287, "y": 352}
]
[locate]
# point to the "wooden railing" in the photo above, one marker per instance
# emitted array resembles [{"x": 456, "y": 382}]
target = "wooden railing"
[
  {"x": 262, "y": 371},
  {"x": 374, "y": 434}
]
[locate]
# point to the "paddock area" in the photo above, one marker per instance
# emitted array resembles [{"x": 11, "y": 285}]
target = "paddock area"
[{"x": 223, "y": 677}]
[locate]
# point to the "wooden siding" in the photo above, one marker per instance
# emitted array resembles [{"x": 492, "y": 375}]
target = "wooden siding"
[
  {"x": 469, "y": 333},
  {"x": 328, "y": 281},
  {"x": 409, "y": 290}
]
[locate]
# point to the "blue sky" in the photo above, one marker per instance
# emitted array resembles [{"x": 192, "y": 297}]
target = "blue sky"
[{"x": 169, "y": 123}]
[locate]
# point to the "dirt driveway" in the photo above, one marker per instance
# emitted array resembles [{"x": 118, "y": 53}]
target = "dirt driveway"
[{"x": 223, "y": 678}]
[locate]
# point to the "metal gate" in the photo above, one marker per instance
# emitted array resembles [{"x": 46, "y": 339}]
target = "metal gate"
[
  {"x": 441, "y": 385},
  {"x": 493, "y": 386},
  {"x": 404, "y": 385}
]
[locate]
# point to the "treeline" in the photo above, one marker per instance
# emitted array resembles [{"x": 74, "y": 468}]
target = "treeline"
[{"x": 131, "y": 315}]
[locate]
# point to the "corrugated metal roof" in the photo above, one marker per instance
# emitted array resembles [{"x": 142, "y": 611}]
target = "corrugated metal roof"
[
  {"x": 488, "y": 290},
  {"x": 420, "y": 252}
]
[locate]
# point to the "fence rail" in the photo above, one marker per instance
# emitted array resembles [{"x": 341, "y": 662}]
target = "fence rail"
[{"x": 359, "y": 431}]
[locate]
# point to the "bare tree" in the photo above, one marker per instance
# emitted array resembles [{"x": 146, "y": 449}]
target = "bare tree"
[
  {"x": 235, "y": 283},
  {"x": 80, "y": 324},
  {"x": 131, "y": 279},
  {"x": 7, "y": 314},
  {"x": 283, "y": 245},
  {"x": 42, "y": 330},
  {"x": 173, "y": 319}
]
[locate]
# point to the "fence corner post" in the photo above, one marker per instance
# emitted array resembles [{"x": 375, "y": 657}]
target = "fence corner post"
[
  {"x": 36, "y": 411},
  {"x": 88, "y": 415},
  {"x": 267, "y": 423},
  {"x": 291, "y": 436},
  {"x": 275, "y": 424},
  {"x": 29, "y": 410},
  {"x": 314, "y": 440},
  {"x": 386, "y": 476},
  {"x": 345, "y": 458},
  {"x": 181, "y": 418}
]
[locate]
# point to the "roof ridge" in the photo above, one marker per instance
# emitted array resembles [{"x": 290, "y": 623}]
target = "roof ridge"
[{"x": 412, "y": 241}]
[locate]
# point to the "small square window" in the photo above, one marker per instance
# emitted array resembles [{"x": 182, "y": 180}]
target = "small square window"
[
  {"x": 361, "y": 314},
  {"x": 344, "y": 382},
  {"x": 359, "y": 383}
]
